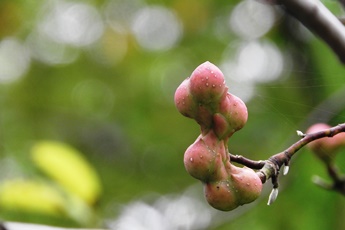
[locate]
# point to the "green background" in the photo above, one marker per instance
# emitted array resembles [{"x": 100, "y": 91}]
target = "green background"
[{"x": 116, "y": 107}]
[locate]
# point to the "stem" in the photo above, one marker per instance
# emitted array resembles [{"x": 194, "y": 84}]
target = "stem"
[
  {"x": 316, "y": 17},
  {"x": 247, "y": 162},
  {"x": 275, "y": 162},
  {"x": 270, "y": 168}
]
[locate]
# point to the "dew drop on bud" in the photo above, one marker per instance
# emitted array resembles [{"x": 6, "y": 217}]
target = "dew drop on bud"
[{"x": 191, "y": 159}]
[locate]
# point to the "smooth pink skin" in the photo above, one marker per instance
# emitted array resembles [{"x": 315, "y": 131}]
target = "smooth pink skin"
[
  {"x": 242, "y": 186},
  {"x": 204, "y": 97},
  {"x": 235, "y": 111},
  {"x": 221, "y": 195},
  {"x": 247, "y": 182},
  {"x": 207, "y": 83},
  {"x": 184, "y": 100},
  {"x": 204, "y": 159},
  {"x": 325, "y": 148}
]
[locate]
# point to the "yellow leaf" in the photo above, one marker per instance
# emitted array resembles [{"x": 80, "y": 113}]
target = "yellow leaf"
[
  {"x": 69, "y": 168},
  {"x": 31, "y": 196}
]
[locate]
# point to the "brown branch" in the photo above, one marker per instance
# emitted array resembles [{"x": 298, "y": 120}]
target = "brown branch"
[
  {"x": 275, "y": 162},
  {"x": 247, "y": 162},
  {"x": 270, "y": 168},
  {"x": 317, "y": 18}
]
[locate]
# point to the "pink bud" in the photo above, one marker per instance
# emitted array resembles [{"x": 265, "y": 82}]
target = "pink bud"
[
  {"x": 247, "y": 182},
  {"x": 206, "y": 157},
  {"x": 221, "y": 195},
  {"x": 207, "y": 83},
  {"x": 235, "y": 111},
  {"x": 241, "y": 187},
  {"x": 184, "y": 101},
  {"x": 325, "y": 148}
]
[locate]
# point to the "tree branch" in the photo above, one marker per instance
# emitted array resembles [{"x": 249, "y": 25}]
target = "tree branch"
[
  {"x": 316, "y": 17},
  {"x": 270, "y": 168},
  {"x": 247, "y": 162}
]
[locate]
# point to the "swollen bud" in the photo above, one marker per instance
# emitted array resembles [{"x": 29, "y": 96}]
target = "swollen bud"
[
  {"x": 325, "y": 148},
  {"x": 235, "y": 111},
  {"x": 247, "y": 182},
  {"x": 207, "y": 83},
  {"x": 221, "y": 195},
  {"x": 184, "y": 100},
  {"x": 242, "y": 186},
  {"x": 204, "y": 97},
  {"x": 203, "y": 160}
]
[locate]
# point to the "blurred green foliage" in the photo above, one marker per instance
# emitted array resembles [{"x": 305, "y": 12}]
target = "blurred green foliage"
[{"x": 112, "y": 100}]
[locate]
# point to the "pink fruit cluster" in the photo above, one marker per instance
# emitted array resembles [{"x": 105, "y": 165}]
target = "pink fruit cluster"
[
  {"x": 204, "y": 97},
  {"x": 325, "y": 148}
]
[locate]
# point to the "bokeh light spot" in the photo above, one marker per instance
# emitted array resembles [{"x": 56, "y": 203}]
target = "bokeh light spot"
[
  {"x": 251, "y": 19},
  {"x": 122, "y": 12},
  {"x": 112, "y": 47},
  {"x": 248, "y": 63},
  {"x": 156, "y": 28},
  {"x": 76, "y": 24},
  {"x": 14, "y": 60},
  {"x": 49, "y": 51}
]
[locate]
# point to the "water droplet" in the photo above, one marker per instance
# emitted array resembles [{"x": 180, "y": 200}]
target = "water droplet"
[
  {"x": 248, "y": 184},
  {"x": 201, "y": 156},
  {"x": 206, "y": 78},
  {"x": 191, "y": 159},
  {"x": 183, "y": 103},
  {"x": 227, "y": 185},
  {"x": 213, "y": 86},
  {"x": 206, "y": 84},
  {"x": 212, "y": 72}
]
